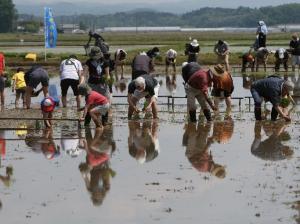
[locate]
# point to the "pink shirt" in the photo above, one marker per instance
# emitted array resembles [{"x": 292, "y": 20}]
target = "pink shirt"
[
  {"x": 95, "y": 98},
  {"x": 200, "y": 80}
]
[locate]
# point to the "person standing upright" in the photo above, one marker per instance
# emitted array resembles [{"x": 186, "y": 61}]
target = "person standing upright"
[
  {"x": 262, "y": 32},
  {"x": 193, "y": 50},
  {"x": 222, "y": 51},
  {"x": 295, "y": 51},
  {"x": 71, "y": 74}
]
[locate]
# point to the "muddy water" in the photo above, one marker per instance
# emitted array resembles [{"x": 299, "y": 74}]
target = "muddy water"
[{"x": 234, "y": 171}]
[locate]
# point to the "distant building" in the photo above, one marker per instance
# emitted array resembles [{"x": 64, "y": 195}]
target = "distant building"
[{"x": 68, "y": 28}]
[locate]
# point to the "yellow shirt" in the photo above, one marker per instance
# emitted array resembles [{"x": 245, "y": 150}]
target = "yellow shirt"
[{"x": 19, "y": 80}]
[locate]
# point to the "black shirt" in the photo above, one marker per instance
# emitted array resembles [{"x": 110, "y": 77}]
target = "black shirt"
[{"x": 96, "y": 70}]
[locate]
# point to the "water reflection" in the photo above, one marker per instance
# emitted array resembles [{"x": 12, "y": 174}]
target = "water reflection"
[
  {"x": 171, "y": 83},
  {"x": 272, "y": 147},
  {"x": 197, "y": 142},
  {"x": 143, "y": 141},
  {"x": 96, "y": 171},
  {"x": 6, "y": 178},
  {"x": 43, "y": 144}
]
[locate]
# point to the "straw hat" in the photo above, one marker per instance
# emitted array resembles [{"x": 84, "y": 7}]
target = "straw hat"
[
  {"x": 194, "y": 43},
  {"x": 95, "y": 53},
  {"x": 218, "y": 70},
  {"x": 289, "y": 86}
]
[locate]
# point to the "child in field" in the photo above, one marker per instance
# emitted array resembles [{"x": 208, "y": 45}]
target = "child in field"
[
  {"x": 96, "y": 105},
  {"x": 47, "y": 107},
  {"x": 19, "y": 86}
]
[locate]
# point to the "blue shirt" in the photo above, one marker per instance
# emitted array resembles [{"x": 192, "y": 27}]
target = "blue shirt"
[{"x": 269, "y": 88}]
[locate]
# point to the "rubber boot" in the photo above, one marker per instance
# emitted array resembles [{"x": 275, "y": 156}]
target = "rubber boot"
[
  {"x": 87, "y": 119},
  {"x": 274, "y": 114},
  {"x": 257, "y": 113},
  {"x": 207, "y": 114},
  {"x": 193, "y": 116},
  {"x": 104, "y": 119}
]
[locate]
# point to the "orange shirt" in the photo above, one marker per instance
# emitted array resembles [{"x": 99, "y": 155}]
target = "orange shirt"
[{"x": 223, "y": 82}]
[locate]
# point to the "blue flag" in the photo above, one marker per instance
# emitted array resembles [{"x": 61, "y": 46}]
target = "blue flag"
[{"x": 50, "y": 29}]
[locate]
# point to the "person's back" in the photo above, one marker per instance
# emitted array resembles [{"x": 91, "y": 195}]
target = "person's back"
[
  {"x": 142, "y": 64},
  {"x": 70, "y": 69},
  {"x": 268, "y": 87},
  {"x": 189, "y": 69}
]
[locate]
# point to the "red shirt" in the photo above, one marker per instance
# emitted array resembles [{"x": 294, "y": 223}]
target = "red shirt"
[
  {"x": 2, "y": 64},
  {"x": 95, "y": 98},
  {"x": 200, "y": 80}
]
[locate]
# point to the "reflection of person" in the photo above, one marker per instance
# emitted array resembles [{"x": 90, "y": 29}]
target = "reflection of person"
[
  {"x": 71, "y": 75},
  {"x": 271, "y": 148},
  {"x": 143, "y": 86},
  {"x": 222, "y": 87},
  {"x": 6, "y": 179},
  {"x": 19, "y": 86},
  {"x": 143, "y": 142},
  {"x": 223, "y": 131},
  {"x": 33, "y": 78},
  {"x": 196, "y": 87},
  {"x": 47, "y": 108},
  {"x": 44, "y": 144},
  {"x": 2, "y": 80},
  {"x": 197, "y": 142},
  {"x": 221, "y": 49},
  {"x": 171, "y": 83},
  {"x": 272, "y": 89},
  {"x": 281, "y": 57},
  {"x": 171, "y": 60},
  {"x": 96, "y": 170}
]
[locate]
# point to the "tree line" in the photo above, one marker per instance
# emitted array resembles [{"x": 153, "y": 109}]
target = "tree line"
[{"x": 201, "y": 18}]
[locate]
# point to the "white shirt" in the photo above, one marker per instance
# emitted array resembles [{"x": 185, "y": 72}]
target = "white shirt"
[
  {"x": 171, "y": 53},
  {"x": 70, "y": 69}
]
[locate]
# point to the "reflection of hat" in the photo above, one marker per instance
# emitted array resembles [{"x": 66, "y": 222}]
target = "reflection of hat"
[
  {"x": 289, "y": 86},
  {"x": 96, "y": 53},
  {"x": 218, "y": 70},
  {"x": 218, "y": 171},
  {"x": 194, "y": 43},
  {"x": 47, "y": 104}
]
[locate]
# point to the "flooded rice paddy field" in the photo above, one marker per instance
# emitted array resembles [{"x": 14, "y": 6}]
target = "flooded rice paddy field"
[{"x": 144, "y": 171}]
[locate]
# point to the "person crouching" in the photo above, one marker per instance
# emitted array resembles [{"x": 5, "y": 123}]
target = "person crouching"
[
  {"x": 143, "y": 86},
  {"x": 96, "y": 104},
  {"x": 47, "y": 106}
]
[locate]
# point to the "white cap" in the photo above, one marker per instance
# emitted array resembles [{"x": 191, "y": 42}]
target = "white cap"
[
  {"x": 281, "y": 53},
  {"x": 194, "y": 43},
  {"x": 47, "y": 102},
  {"x": 184, "y": 64}
]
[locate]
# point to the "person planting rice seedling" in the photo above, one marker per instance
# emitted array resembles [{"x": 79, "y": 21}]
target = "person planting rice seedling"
[
  {"x": 171, "y": 60},
  {"x": 146, "y": 87},
  {"x": 272, "y": 89},
  {"x": 96, "y": 105},
  {"x": 47, "y": 107},
  {"x": 196, "y": 87},
  {"x": 33, "y": 78}
]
